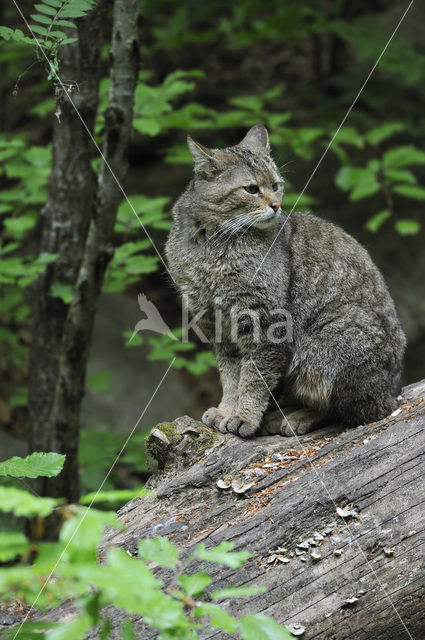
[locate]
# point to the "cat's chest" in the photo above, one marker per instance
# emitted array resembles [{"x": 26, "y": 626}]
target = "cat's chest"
[{"x": 223, "y": 281}]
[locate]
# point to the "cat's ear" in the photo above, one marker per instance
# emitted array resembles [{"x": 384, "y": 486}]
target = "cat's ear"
[
  {"x": 257, "y": 139},
  {"x": 202, "y": 157}
]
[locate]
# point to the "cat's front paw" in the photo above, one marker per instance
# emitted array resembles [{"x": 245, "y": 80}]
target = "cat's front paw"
[
  {"x": 239, "y": 426},
  {"x": 213, "y": 417}
]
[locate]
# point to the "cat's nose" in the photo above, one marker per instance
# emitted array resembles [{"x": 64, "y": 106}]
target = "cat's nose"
[{"x": 274, "y": 205}]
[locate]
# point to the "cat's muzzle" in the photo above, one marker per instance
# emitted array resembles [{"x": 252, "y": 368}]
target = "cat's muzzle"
[{"x": 266, "y": 219}]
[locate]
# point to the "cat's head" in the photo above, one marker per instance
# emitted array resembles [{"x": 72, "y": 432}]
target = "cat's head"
[{"x": 237, "y": 187}]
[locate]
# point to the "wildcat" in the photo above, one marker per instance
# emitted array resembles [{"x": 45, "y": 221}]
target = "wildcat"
[{"x": 232, "y": 250}]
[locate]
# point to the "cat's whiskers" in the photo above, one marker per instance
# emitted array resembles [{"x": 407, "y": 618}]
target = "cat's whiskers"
[{"x": 229, "y": 229}]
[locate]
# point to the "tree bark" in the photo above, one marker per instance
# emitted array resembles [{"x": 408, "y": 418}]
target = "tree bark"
[{"x": 78, "y": 223}]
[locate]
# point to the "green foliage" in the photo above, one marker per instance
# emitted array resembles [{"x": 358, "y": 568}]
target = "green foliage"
[
  {"x": 113, "y": 498},
  {"x": 51, "y": 30},
  {"x": 195, "y": 584},
  {"x": 153, "y": 111},
  {"x": 25, "y": 170},
  {"x": 12, "y": 544},
  {"x": 61, "y": 290},
  {"x": 97, "y": 449},
  {"x": 33, "y": 466},
  {"x": 158, "y": 550},
  {"x": 218, "y": 617},
  {"x": 73, "y": 561},
  {"x": 100, "y": 382},
  {"x": 139, "y": 209},
  {"x": 407, "y": 227},
  {"x": 223, "y": 554},
  {"x": 259, "y": 626},
  {"x": 389, "y": 175},
  {"x": 22, "y": 503},
  {"x": 166, "y": 348},
  {"x": 376, "y": 221},
  {"x": 236, "y": 592}
]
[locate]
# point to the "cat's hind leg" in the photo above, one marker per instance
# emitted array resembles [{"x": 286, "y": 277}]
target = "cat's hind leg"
[
  {"x": 292, "y": 421},
  {"x": 349, "y": 375}
]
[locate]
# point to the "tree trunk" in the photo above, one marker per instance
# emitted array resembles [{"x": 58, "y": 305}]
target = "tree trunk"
[
  {"x": 375, "y": 553},
  {"x": 78, "y": 222}
]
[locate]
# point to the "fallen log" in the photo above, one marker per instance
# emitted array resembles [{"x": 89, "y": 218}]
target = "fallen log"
[{"x": 335, "y": 521}]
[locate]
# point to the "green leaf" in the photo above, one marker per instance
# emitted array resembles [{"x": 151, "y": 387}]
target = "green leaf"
[
  {"x": 29, "y": 631},
  {"x": 65, "y": 23},
  {"x": 236, "y": 592},
  {"x": 400, "y": 175},
  {"x": 18, "y": 227},
  {"x": 100, "y": 381},
  {"x": 82, "y": 533},
  {"x": 252, "y": 103},
  {"x": 361, "y": 181},
  {"x": 410, "y": 191},
  {"x": 12, "y": 544},
  {"x": 44, "y": 8},
  {"x": 38, "y": 29},
  {"x": 135, "y": 342},
  {"x": 303, "y": 201},
  {"x": 70, "y": 41},
  {"x": 74, "y": 630},
  {"x": 377, "y": 220},
  {"x": 366, "y": 186},
  {"x": 350, "y": 135},
  {"x": 47, "y": 258},
  {"x": 35, "y": 465},
  {"x": 61, "y": 290},
  {"x": 260, "y": 626},
  {"x": 71, "y": 12},
  {"x": 116, "y": 496},
  {"x": 145, "y": 597},
  {"x": 223, "y": 554},
  {"x": 43, "y": 19},
  {"x": 128, "y": 630},
  {"x": 407, "y": 227},
  {"x": 347, "y": 177},
  {"x": 22, "y": 503},
  {"x": 150, "y": 126},
  {"x": 150, "y": 212},
  {"x": 54, "y": 3},
  {"x": 403, "y": 156},
  {"x": 158, "y": 550},
  {"x": 195, "y": 584},
  {"x": 15, "y": 34},
  {"x": 384, "y": 131},
  {"x": 218, "y": 617},
  {"x": 60, "y": 35}
]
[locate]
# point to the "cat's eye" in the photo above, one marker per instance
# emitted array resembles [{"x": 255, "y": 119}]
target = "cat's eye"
[
  {"x": 252, "y": 188},
  {"x": 275, "y": 186}
]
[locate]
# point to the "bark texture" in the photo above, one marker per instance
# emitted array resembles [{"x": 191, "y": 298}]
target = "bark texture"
[
  {"x": 78, "y": 222},
  {"x": 377, "y": 469}
]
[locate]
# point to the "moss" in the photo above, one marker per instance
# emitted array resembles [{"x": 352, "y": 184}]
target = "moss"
[
  {"x": 169, "y": 430},
  {"x": 163, "y": 454},
  {"x": 155, "y": 448},
  {"x": 207, "y": 437}
]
